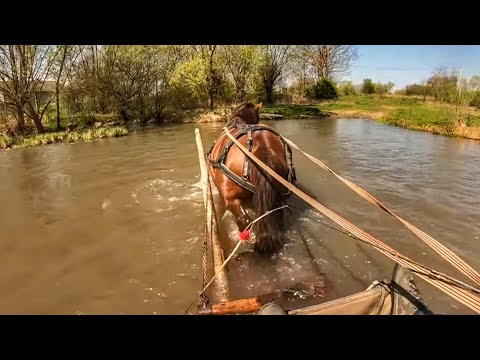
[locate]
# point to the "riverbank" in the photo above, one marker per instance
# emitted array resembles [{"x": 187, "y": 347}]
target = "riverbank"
[
  {"x": 102, "y": 126},
  {"x": 407, "y": 112},
  {"x": 7, "y": 142}
]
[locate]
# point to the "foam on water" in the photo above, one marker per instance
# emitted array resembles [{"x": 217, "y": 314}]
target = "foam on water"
[{"x": 162, "y": 195}]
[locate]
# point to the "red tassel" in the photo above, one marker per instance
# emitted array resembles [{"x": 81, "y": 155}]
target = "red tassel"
[{"x": 245, "y": 235}]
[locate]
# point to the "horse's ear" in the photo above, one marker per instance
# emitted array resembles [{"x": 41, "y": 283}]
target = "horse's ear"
[{"x": 259, "y": 106}]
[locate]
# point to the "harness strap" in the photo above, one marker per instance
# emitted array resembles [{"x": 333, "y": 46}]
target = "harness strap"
[
  {"x": 292, "y": 178},
  {"x": 234, "y": 177},
  {"x": 243, "y": 180},
  {"x": 246, "y": 161}
]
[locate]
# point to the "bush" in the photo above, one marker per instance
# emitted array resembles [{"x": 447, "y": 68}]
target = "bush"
[
  {"x": 323, "y": 90},
  {"x": 347, "y": 88},
  {"x": 476, "y": 100},
  {"x": 368, "y": 87}
]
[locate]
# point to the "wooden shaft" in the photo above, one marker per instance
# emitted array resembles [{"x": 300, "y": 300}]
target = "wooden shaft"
[
  {"x": 221, "y": 281},
  {"x": 241, "y": 306},
  {"x": 282, "y": 298},
  {"x": 218, "y": 257}
]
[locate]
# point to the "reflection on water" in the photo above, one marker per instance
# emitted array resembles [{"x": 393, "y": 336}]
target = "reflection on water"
[{"x": 115, "y": 226}]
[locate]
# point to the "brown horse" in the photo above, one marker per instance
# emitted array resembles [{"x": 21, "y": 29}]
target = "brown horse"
[{"x": 241, "y": 183}]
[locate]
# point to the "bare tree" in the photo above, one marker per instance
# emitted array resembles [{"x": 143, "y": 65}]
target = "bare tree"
[
  {"x": 23, "y": 72},
  {"x": 444, "y": 84},
  {"x": 14, "y": 86},
  {"x": 65, "y": 61},
  {"x": 275, "y": 59},
  {"x": 300, "y": 73},
  {"x": 163, "y": 60},
  {"x": 330, "y": 61},
  {"x": 474, "y": 83},
  {"x": 124, "y": 76},
  {"x": 85, "y": 91}
]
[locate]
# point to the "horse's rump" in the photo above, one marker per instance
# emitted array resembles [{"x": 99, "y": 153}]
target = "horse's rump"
[{"x": 220, "y": 151}]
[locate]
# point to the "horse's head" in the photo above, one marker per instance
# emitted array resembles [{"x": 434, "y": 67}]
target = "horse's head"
[{"x": 248, "y": 112}]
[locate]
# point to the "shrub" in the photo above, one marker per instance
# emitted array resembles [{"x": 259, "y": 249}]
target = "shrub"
[{"x": 323, "y": 90}]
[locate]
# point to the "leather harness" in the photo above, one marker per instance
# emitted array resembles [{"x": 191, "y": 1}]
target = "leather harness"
[{"x": 243, "y": 180}]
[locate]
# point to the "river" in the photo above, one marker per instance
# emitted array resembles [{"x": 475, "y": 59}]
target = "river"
[{"x": 115, "y": 226}]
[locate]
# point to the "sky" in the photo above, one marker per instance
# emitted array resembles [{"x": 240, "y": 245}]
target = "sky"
[{"x": 407, "y": 64}]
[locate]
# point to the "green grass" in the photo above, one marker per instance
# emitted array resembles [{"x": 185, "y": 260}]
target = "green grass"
[
  {"x": 420, "y": 115},
  {"x": 83, "y": 121},
  {"x": 350, "y": 103},
  {"x": 7, "y": 142},
  {"x": 411, "y": 113},
  {"x": 369, "y": 102},
  {"x": 404, "y": 111},
  {"x": 473, "y": 120}
]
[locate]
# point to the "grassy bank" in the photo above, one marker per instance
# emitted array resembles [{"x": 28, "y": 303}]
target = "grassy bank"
[
  {"x": 7, "y": 142},
  {"x": 293, "y": 111},
  {"x": 407, "y": 112},
  {"x": 97, "y": 126}
]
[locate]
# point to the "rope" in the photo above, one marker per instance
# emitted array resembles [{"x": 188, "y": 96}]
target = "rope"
[
  {"x": 266, "y": 213},
  {"x": 221, "y": 267},
  {"x": 425, "y": 269},
  {"x": 202, "y": 297},
  {"x": 205, "y": 287},
  {"x": 442, "y": 250},
  {"x": 456, "y": 289}
]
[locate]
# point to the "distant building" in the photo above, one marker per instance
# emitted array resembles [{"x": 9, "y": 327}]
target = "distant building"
[{"x": 47, "y": 92}]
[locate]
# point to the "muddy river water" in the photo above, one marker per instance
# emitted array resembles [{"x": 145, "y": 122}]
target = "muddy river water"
[{"x": 115, "y": 226}]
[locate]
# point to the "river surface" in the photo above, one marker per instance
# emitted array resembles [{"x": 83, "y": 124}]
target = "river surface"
[{"x": 115, "y": 226}]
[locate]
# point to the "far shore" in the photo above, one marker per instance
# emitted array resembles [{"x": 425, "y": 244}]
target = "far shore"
[{"x": 406, "y": 112}]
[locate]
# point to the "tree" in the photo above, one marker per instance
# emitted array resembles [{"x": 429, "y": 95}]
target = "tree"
[
  {"x": 300, "y": 74},
  {"x": 474, "y": 83},
  {"x": 421, "y": 89},
  {"x": 368, "y": 87},
  {"x": 241, "y": 62},
  {"x": 274, "y": 60},
  {"x": 163, "y": 60},
  {"x": 444, "y": 84},
  {"x": 190, "y": 81},
  {"x": 63, "y": 65},
  {"x": 323, "y": 90},
  {"x": 330, "y": 61},
  {"x": 347, "y": 88},
  {"x": 125, "y": 76},
  {"x": 23, "y": 71},
  {"x": 383, "y": 89},
  {"x": 208, "y": 55},
  {"x": 389, "y": 86}
]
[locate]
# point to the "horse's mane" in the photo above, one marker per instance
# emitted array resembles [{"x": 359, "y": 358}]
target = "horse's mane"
[
  {"x": 236, "y": 121},
  {"x": 243, "y": 114}
]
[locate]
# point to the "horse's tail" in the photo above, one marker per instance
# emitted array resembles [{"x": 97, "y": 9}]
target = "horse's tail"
[{"x": 269, "y": 231}]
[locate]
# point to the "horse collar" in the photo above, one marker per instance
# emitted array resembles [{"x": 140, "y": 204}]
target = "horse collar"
[{"x": 247, "y": 129}]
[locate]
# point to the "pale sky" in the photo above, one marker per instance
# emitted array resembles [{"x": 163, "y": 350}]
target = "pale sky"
[{"x": 406, "y": 64}]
